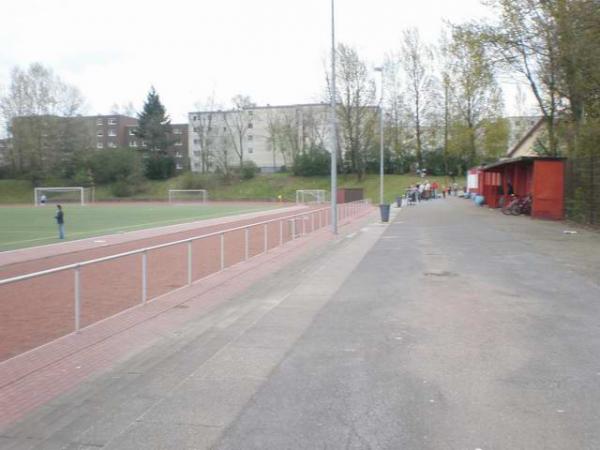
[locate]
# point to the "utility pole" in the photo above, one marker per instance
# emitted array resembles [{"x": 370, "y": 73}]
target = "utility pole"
[{"x": 334, "y": 225}]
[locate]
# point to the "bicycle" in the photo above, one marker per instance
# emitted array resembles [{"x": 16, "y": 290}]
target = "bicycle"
[{"x": 518, "y": 206}]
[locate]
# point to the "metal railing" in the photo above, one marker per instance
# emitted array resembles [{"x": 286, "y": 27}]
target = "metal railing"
[{"x": 298, "y": 225}]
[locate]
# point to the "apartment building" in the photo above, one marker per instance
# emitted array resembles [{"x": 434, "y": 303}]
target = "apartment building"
[
  {"x": 267, "y": 135},
  {"x": 110, "y": 131}
]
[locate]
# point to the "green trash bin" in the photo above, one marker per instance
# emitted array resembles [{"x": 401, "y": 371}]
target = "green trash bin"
[{"x": 385, "y": 212}]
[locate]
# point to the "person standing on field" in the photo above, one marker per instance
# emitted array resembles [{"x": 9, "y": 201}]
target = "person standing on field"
[{"x": 60, "y": 220}]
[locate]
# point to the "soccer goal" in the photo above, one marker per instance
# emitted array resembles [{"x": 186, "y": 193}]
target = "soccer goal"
[
  {"x": 304, "y": 196},
  {"x": 188, "y": 196},
  {"x": 55, "y": 195}
]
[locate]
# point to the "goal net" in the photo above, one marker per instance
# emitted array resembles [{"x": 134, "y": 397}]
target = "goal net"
[
  {"x": 304, "y": 196},
  {"x": 55, "y": 195},
  {"x": 188, "y": 196}
]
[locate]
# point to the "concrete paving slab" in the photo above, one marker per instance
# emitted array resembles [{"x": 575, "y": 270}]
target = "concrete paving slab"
[
  {"x": 165, "y": 436},
  {"x": 205, "y": 401}
]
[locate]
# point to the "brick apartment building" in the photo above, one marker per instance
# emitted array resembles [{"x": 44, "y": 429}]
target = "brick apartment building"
[{"x": 93, "y": 132}]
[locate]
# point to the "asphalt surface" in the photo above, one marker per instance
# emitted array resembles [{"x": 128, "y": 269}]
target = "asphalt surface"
[{"x": 454, "y": 327}]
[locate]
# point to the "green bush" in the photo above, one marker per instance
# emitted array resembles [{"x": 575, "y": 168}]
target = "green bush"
[
  {"x": 112, "y": 165},
  {"x": 159, "y": 167},
  {"x": 312, "y": 163},
  {"x": 249, "y": 170}
]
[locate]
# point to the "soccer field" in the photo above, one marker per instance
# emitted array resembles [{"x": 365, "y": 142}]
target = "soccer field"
[{"x": 30, "y": 226}]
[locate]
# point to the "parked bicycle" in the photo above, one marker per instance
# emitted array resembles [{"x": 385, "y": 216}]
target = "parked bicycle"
[{"x": 518, "y": 205}]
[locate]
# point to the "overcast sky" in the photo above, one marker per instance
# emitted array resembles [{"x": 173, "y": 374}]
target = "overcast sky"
[{"x": 271, "y": 50}]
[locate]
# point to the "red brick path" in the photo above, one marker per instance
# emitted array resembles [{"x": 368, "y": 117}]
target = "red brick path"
[{"x": 39, "y": 310}]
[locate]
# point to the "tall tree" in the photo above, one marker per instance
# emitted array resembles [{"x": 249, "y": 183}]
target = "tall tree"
[
  {"x": 206, "y": 130},
  {"x": 238, "y": 122},
  {"x": 417, "y": 62},
  {"x": 154, "y": 125},
  {"x": 476, "y": 94},
  {"x": 356, "y": 114},
  {"x": 525, "y": 41},
  {"x": 35, "y": 99}
]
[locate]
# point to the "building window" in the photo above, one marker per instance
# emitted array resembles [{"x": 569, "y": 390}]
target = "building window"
[
  {"x": 196, "y": 141},
  {"x": 112, "y": 121},
  {"x": 99, "y": 145},
  {"x": 194, "y": 118},
  {"x": 133, "y": 143},
  {"x": 176, "y": 130},
  {"x": 132, "y": 132},
  {"x": 98, "y": 121},
  {"x": 112, "y": 145},
  {"x": 250, "y": 137},
  {"x": 178, "y": 155},
  {"x": 112, "y": 132},
  {"x": 224, "y": 128},
  {"x": 100, "y": 133},
  {"x": 250, "y": 125},
  {"x": 179, "y": 166},
  {"x": 178, "y": 143},
  {"x": 250, "y": 150},
  {"x": 197, "y": 153}
]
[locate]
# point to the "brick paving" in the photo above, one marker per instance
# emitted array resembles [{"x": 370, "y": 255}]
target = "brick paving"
[
  {"x": 39, "y": 310},
  {"x": 33, "y": 378}
]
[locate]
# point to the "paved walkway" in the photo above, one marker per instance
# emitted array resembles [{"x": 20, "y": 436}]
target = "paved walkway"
[{"x": 454, "y": 327}]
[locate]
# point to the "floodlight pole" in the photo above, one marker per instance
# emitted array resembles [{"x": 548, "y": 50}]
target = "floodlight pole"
[
  {"x": 334, "y": 224},
  {"x": 380, "y": 69}
]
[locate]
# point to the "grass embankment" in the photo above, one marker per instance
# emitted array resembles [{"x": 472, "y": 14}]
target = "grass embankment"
[{"x": 262, "y": 187}]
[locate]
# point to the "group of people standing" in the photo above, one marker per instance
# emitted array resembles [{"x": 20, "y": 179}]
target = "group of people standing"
[{"x": 426, "y": 191}]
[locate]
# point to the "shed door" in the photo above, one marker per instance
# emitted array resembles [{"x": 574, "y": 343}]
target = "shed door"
[{"x": 548, "y": 190}]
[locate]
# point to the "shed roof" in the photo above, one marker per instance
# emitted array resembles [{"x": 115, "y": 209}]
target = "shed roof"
[{"x": 523, "y": 159}]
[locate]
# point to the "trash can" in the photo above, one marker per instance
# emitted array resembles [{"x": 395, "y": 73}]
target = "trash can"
[
  {"x": 399, "y": 202},
  {"x": 385, "y": 212}
]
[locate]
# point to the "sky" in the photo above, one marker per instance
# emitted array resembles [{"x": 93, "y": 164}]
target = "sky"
[{"x": 272, "y": 50}]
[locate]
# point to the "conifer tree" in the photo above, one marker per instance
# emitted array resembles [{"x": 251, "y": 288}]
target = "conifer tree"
[{"x": 154, "y": 125}]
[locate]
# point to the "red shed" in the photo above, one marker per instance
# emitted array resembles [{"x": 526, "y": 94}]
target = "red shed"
[
  {"x": 347, "y": 195},
  {"x": 542, "y": 177}
]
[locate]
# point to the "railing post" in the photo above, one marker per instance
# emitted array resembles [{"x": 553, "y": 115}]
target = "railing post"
[
  {"x": 303, "y": 225},
  {"x": 144, "y": 276},
  {"x": 246, "y": 243},
  {"x": 281, "y": 233},
  {"x": 293, "y": 228},
  {"x": 77, "y": 299},
  {"x": 266, "y": 238},
  {"x": 189, "y": 277},
  {"x": 312, "y": 218},
  {"x": 222, "y": 251},
  {"x": 320, "y": 214}
]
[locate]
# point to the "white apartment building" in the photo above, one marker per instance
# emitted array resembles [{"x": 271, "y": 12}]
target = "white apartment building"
[{"x": 267, "y": 135}]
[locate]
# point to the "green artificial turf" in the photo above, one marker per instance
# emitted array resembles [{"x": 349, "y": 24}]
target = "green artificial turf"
[{"x": 27, "y": 226}]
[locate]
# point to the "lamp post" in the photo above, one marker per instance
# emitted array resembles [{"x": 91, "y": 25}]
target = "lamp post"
[
  {"x": 383, "y": 207},
  {"x": 334, "y": 225}
]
